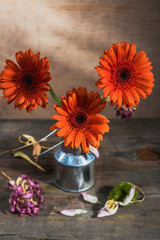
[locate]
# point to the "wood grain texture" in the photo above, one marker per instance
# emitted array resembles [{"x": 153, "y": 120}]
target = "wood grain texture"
[
  {"x": 73, "y": 34},
  {"x": 118, "y": 162}
]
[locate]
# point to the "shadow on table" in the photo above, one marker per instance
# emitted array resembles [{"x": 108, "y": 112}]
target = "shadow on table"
[
  {"x": 102, "y": 194},
  {"x": 4, "y": 200}
]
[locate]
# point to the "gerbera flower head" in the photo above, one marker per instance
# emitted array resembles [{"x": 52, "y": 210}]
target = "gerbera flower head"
[
  {"x": 125, "y": 75},
  {"x": 78, "y": 120},
  {"x": 26, "y": 83}
]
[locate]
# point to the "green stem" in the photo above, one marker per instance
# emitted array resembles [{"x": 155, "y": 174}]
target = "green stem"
[
  {"x": 54, "y": 96},
  {"x": 107, "y": 99}
]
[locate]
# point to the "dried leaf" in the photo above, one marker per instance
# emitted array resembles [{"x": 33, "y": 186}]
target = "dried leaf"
[
  {"x": 36, "y": 150},
  {"x": 72, "y": 212},
  {"x": 29, "y": 138},
  {"x": 24, "y": 156},
  {"x": 89, "y": 198}
]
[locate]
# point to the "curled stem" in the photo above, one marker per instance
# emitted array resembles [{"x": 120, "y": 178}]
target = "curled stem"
[
  {"x": 142, "y": 193},
  {"x": 54, "y": 95}
]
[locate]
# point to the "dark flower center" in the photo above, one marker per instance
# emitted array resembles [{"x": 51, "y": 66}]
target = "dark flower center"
[
  {"x": 29, "y": 82},
  {"x": 28, "y": 79},
  {"x": 79, "y": 119},
  {"x": 123, "y": 75}
]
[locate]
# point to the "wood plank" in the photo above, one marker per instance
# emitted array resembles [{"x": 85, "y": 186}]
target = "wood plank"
[{"x": 118, "y": 162}]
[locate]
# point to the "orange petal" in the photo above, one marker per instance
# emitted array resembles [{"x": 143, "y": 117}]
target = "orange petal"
[
  {"x": 13, "y": 65},
  {"x": 92, "y": 138},
  {"x": 99, "y": 119},
  {"x": 135, "y": 96},
  {"x": 63, "y": 131},
  {"x": 12, "y": 97},
  {"x": 112, "y": 55},
  {"x": 10, "y": 91},
  {"x": 78, "y": 139},
  {"x": 19, "y": 100},
  {"x": 107, "y": 89},
  {"x": 82, "y": 96},
  {"x": 105, "y": 61},
  {"x": 60, "y": 110},
  {"x": 119, "y": 99},
  {"x": 59, "y": 117},
  {"x": 53, "y": 127},
  {"x": 140, "y": 92},
  {"x": 20, "y": 59},
  {"x": 65, "y": 104},
  {"x": 70, "y": 138},
  {"x": 131, "y": 52},
  {"x": 62, "y": 124},
  {"x": 85, "y": 146}
]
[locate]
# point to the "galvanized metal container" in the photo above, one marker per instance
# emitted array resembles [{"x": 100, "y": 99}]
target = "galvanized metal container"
[{"x": 74, "y": 171}]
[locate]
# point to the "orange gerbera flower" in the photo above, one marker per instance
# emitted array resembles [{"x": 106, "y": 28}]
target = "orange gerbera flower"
[
  {"x": 26, "y": 84},
  {"x": 78, "y": 119},
  {"x": 125, "y": 75}
]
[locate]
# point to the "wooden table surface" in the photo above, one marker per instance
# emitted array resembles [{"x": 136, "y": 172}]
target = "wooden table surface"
[{"x": 118, "y": 162}]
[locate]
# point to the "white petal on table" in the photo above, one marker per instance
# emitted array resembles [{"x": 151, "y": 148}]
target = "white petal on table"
[
  {"x": 89, "y": 198},
  {"x": 72, "y": 212},
  {"x": 129, "y": 197},
  {"x": 103, "y": 212}
]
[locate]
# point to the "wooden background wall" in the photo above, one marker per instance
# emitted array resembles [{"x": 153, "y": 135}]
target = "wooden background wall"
[{"x": 73, "y": 34}]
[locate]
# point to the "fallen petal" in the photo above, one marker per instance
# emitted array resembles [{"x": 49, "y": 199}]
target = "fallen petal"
[
  {"x": 89, "y": 198},
  {"x": 110, "y": 208},
  {"x": 103, "y": 212},
  {"x": 128, "y": 198},
  {"x": 72, "y": 212},
  {"x": 94, "y": 151}
]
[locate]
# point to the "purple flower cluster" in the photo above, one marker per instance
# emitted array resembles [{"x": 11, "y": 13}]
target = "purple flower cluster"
[
  {"x": 26, "y": 195},
  {"x": 125, "y": 113}
]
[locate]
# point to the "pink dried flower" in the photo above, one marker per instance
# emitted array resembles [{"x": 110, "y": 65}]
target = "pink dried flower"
[
  {"x": 125, "y": 113},
  {"x": 26, "y": 195}
]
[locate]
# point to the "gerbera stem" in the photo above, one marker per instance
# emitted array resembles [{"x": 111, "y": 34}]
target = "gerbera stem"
[
  {"x": 107, "y": 99},
  {"x": 54, "y": 95},
  {"x": 41, "y": 140},
  {"x": 50, "y": 149},
  {"x": 143, "y": 194}
]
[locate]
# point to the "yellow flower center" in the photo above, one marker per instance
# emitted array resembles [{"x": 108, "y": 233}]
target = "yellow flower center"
[{"x": 111, "y": 204}]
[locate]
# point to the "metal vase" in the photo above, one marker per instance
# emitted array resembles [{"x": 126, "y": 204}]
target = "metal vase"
[{"x": 74, "y": 171}]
